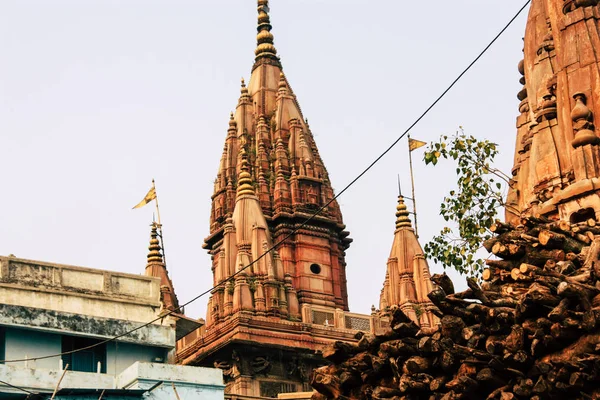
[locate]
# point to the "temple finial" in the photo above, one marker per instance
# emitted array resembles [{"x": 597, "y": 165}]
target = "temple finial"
[
  {"x": 244, "y": 178},
  {"x": 399, "y": 187},
  {"x": 402, "y": 220},
  {"x": 154, "y": 254},
  {"x": 264, "y": 39}
]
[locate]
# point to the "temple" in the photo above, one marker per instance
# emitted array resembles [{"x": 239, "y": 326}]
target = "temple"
[
  {"x": 279, "y": 277},
  {"x": 156, "y": 267},
  {"x": 407, "y": 279},
  {"x": 169, "y": 304},
  {"x": 556, "y": 168}
]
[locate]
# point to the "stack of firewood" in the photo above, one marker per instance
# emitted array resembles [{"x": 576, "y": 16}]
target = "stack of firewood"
[{"x": 530, "y": 330}]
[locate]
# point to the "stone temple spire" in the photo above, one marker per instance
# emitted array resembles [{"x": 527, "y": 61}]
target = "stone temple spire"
[
  {"x": 264, "y": 39},
  {"x": 556, "y": 172},
  {"x": 156, "y": 267},
  {"x": 271, "y": 178},
  {"x": 270, "y": 153},
  {"x": 407, "y": 280}
]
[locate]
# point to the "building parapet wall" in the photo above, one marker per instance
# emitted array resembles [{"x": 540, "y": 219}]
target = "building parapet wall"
[
  {"x": 144, "y": 375},
  {"x": 38, "y": 379},
  {"x": 337, "y": 318},
  {"x": 70, "y": 289}
]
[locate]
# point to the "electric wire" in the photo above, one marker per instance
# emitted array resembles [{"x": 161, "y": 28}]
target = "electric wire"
[
  {"x": 17, "y": 387},
  {"x": 312, "y": 217}
]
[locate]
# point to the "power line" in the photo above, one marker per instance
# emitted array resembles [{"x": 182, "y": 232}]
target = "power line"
[
  {"x": 296, "y": 229},
  {"x": 17, "y": 387}
]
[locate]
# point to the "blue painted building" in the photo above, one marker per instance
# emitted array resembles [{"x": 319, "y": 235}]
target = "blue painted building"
[{"x": 55, "y": 317}]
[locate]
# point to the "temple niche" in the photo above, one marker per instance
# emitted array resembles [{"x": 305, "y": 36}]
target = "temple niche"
[{"x": 556, "y": 167}]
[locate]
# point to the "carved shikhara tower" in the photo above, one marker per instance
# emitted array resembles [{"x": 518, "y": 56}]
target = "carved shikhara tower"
[
  {"x": 290, "y": 182},
  {"x": 265, "y": 326},
  {"x": 556, "y": 171},
  {"x": 407, "y": 278}
]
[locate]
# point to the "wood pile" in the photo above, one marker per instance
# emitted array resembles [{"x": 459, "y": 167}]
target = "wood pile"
[{"x": 530, "y": 330}]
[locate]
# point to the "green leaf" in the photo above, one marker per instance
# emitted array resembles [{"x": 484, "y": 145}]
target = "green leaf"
[{"x": 471, "y": 207}]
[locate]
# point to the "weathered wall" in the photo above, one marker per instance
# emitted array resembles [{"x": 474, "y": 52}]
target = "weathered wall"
[
  {"x": 40, "y": 379},
  {"x": 23, "y": 343},
  {"x": 190, "y": 382},
  {"x": 79, "y": 290},
  {"x": 120, "y": 356},
  {"x": 85, "y": 325}
]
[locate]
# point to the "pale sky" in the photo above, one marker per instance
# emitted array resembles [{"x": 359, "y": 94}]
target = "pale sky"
[{"x": 97, "y": 97}]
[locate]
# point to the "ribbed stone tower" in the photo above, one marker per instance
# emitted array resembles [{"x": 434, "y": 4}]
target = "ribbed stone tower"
[
  {"x": 156, "y": 267},
  {"x": 265, "y": 326},
  {"x": 556, "y": 170},
  {"x": 407, "y": 279},
  {"x": 289, "y": 179}
]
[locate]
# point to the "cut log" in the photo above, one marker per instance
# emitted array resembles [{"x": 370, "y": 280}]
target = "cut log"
[
  {"x": 488, "y": 244},
  {"x": 501, "y": 264},
  {"x": 529, "y": 331},
  {"x": 339, "y": 351},
  {"x": 438, "y": 384},
  {"x": 515, "y": 340},
  {"x": 524, "y": 388},
  {"x": 326, "y": 383},
  {"x": 416, "y": 365},
  {"x": 499, "y": 227},
  {"x": 554, "y": 240},
  {"x": 487, "y": 274},
  {"x": 509, "y": 250},
  {"x": 560, "y": 312},
  {"x": 443, "y": 281},
  {"x": 452, "y": 326}
]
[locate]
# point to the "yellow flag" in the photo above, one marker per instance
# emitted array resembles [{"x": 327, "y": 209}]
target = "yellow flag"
[
  {"x": 151, "y": 195},
  {"x": 415, "y": 144}
]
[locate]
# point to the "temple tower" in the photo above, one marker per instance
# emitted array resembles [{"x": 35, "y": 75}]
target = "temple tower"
[
  {"x": 289, "y": 179},
  {"x": 556, "y": 170},
  {"x": 266, "y": 324},
  {"x": 407, "y": 279},
  {"x": 156, "y": 267}
]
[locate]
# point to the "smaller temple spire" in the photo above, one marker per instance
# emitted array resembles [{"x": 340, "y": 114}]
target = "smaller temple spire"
[
  {"x": 156, "y": 267},
  {"x": 264, "y": 38},
  {"x": 407, "y": 279},
  {"x": 402, "y": 220}
]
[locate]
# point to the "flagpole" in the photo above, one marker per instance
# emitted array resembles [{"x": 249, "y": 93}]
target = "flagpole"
[
  {"x": 412, "y": 180},
  {"x": 159, "y": 225}
]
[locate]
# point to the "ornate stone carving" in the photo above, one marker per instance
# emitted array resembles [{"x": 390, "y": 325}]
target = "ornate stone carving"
[
  {"x": 261, "y": 365},
  {"x": 556, "y": 154},
  {"x": 582, "y": 122},
  {"x": 296, "y": 369}
]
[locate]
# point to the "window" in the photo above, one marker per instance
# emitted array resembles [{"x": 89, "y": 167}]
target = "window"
[
  {"x": 315, "y": 269},
  {"x": 84, "y": 360}
]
